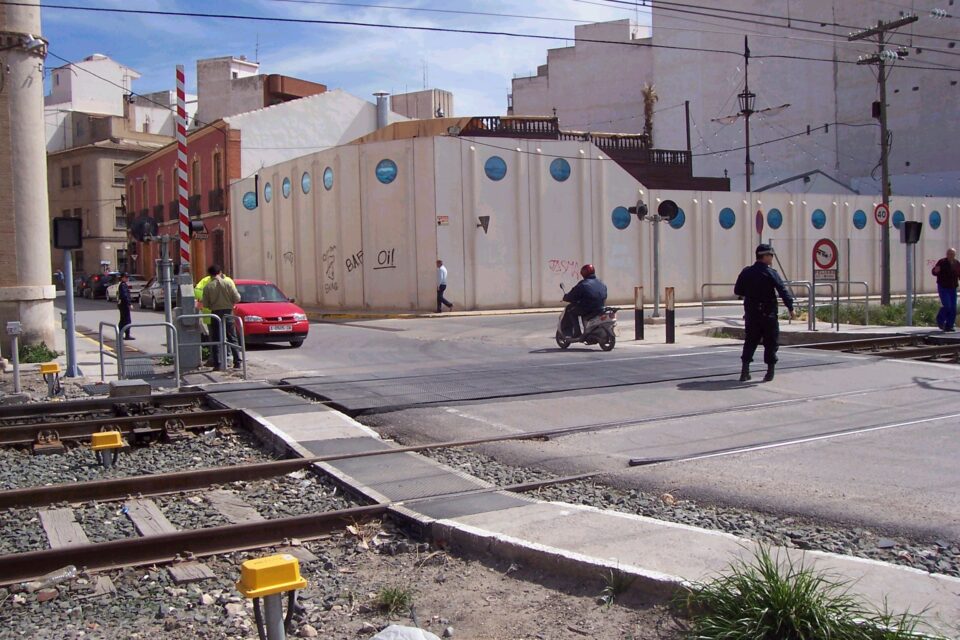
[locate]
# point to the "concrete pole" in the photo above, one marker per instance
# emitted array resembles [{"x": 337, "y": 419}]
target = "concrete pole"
[
  {"x": 910, "y": 249},
  {"x": 26, "y": 290},
  {"x": 70, "y": 330},
  {"x": 656, "y": 266}
]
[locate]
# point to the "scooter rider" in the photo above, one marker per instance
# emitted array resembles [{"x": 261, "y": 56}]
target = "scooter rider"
[{"x": 586, "y": 299}]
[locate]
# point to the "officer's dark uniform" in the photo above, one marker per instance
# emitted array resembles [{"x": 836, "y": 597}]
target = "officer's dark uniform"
[
  {"x": 759, "y": 285},
  {"x": 123, "y": 305},
  {"x": 587, "y": 299}
]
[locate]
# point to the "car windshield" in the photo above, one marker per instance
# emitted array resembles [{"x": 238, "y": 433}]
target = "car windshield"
[{"x": 260, "y": 293}]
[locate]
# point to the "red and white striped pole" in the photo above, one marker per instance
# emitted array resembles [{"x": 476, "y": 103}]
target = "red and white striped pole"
[{"x": 182, "y": 187}]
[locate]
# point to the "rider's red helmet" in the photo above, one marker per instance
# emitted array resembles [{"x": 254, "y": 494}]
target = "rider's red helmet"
[{"x": 587, "y": 270}]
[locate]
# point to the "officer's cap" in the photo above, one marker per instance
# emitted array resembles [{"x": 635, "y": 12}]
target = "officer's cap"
[{"x": 764, "y": 250}]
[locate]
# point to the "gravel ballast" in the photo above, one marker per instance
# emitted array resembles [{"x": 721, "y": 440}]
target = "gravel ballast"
[{"x": 936, "y": 556}]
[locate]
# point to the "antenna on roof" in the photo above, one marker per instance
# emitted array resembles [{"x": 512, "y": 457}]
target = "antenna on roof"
[
  {"x": 256, "y": 50},
  {"x": 426, "y": 75}
]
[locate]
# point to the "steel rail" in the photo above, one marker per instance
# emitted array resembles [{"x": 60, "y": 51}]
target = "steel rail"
[
  {"x": 15, "y": 412},
  {"x": 920, "y": 353},
  {"x": 83, "y": 429},
  {"x": 170, "y": 547},
  {"x": 193, "y": 480},
  {"x": 863, "y": 343}
]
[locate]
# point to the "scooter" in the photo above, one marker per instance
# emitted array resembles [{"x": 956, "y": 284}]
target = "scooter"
[{"x": 599, "y": 329}]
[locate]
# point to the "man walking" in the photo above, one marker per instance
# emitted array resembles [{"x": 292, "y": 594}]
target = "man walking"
[
  {"x": 947, "y": 271},
  {"x": 441, "y": 287},
  {"x": 123, "y": 305},
  {"x": 220, "y": 295},
  {"x": 759, "y": 285}
]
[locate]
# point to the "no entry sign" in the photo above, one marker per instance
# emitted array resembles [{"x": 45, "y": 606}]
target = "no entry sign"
[
  {"x": 825, "y": 260},
  {"x": 881, "y": 214},
  {"x": 759, "y": 222}
]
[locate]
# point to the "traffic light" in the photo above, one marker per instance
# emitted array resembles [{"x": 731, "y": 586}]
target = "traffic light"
[
  {"x": 640, "y": 210},
  {"x": 144, "y": 229},
  {"x": 197, "y": 227},
  {"x": 668, "y": 210}
]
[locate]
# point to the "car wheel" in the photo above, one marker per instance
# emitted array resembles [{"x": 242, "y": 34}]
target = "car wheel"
[{"x": 296, "y": 343}]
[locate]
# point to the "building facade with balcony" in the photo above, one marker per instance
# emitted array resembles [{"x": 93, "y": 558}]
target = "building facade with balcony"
[{"x": 86, "y": 181}]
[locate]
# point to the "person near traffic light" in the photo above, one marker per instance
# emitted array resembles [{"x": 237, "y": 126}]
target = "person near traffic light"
[
  {"x": 587, "y": 298},
  {"x": 758, "y": 285},
  {"x": 123, "y": 304},
  {"x": 220, "y": 295},
  {"x": 947, "y": 271},
  {"x": 441, "y": 287}
]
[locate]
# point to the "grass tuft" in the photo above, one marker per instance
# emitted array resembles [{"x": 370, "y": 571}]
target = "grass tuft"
[
  {"x": 615, "y": 584},
  {"x": 394, "y": 600},
  {"x": 29, "y": 353},
  {"x": 774, "y": 598}
]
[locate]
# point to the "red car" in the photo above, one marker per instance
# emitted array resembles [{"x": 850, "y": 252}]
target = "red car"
[{"x": 268, "y": 315}]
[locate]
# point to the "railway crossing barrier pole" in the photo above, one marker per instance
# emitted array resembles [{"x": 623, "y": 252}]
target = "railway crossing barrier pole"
[
  {"x": 638, "y": 313},
  {"x": 14, "y": 329},
  {"x": 671, "y": 316}
]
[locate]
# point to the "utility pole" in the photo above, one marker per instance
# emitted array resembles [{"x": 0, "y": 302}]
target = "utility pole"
[
  {"x": 748, "y": 103},
  {"x": 881, "y": 58}
]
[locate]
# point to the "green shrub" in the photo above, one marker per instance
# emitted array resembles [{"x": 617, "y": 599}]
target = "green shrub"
[
  {"x": 37, "y": 353},
  {"x": 892, "y": 315}
]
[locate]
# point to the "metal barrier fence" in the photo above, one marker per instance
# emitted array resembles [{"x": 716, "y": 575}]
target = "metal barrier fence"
[
  {"x": 120, "y": 356},
  {"x": 222, "y": 343},
  {"x": 811, "y": 316}
]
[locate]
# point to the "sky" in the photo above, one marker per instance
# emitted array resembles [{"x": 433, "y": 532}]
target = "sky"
[{"x": 361, "y": 60}]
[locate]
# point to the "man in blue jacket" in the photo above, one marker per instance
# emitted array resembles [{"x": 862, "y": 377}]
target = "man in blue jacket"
[
  {"x": 123, "y": 305},
  {"x": 587, "y": 298},
  {"x": 758, "y": 285}
]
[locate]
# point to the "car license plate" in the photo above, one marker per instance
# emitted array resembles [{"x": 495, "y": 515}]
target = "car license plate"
[{"x": 281, "y": 327}]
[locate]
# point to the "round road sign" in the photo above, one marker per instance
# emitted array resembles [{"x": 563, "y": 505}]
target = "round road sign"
[
  {"x": 881, "y": 214},
  {"x": 759, "y": 222},
  {"x": 824, "y": 254}
]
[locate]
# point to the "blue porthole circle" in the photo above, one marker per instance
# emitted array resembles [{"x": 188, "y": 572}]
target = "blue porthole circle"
[
  {"x": 898, "y": 218},
  {"x": 268, "y": 192},
  {"x": 560, "y": 169},
  {"x": 285, "y": 187},
  {"x": 818, "y": 219},
  {"x": 935, "y": 220},
  {"x": 678, "y": 220},
  {"x": 774, "y": 219},
  {"x": 386, "y": 171},
  {"x": 250, "y": 200},
  {"x": 305, "y": 182},
  {"x": 727, "y": 218},
  {"x": 621, "y": 218},
  {"x": 495, "y": 168},
  {"x": 860, "y": 219},
  {"x": 328, "y": 178}
]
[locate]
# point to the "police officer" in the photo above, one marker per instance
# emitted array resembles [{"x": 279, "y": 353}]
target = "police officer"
[
  {"x": 123, "y": 305},
  {"x": 759, "y": 285}
]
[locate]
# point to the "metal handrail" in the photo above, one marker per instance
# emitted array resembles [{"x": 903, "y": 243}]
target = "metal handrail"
[
  {"x": 116, "y": 330},
  {"x": 811, "y": 316},
  {"x": 703, "y": 287},
  {"x": 812, "y": 303},
  {"x": 175, "y": 351},
  {"x": 222, "y": 341},
  {"x": 866, "y": 297}
]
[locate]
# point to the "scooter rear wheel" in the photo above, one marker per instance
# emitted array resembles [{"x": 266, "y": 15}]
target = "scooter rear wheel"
[
  {"x": 608, "y": 343},
  {"x": 562, "y": 341}
]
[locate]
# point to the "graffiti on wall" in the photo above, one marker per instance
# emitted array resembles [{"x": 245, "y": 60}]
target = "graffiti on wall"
[
  {"x": 564, "y": 268},
  {"x": 329, "y": 269},
  {"x": 354, "y": 262},
  {"x": 386, "y": 259}
]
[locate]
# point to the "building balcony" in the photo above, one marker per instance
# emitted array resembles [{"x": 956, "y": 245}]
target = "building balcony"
[
  {"x": 215, "y": 200},
  {"x": 193, "y": 206}
]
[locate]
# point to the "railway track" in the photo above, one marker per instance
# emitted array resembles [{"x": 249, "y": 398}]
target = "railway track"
[
  {"x": 90, "y": 408},
  {"x": 928, "y": 347}
]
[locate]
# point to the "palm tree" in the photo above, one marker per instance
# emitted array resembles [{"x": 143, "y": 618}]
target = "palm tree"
[{"x": 650, "y": 98}]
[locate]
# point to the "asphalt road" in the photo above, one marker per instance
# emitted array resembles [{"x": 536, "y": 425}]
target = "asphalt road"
[{"x": 898, "y": 473}]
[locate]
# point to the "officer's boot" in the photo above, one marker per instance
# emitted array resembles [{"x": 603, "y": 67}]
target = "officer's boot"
[
  {"x": 745, "y": 372},
  {"x": 769, "y": 376}
]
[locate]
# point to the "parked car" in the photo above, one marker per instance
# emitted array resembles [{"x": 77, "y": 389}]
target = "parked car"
[
  {"x": 136, "y": 282},
  {"x": 151, "y": 295},
  {"x": 96, "y": 284},
  {"x": 269, "y": 315}
]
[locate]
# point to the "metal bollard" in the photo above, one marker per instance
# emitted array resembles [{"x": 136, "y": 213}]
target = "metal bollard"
[
  {"x": 671, "y": 316},
  {"x": 638, "y": 313},
  {"x": 15, "y": 356}
]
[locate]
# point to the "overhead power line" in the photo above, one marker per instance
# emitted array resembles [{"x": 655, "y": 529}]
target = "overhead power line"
[
  {"x": 805, "y": 132},
  {"x": 509, "y": 34}
]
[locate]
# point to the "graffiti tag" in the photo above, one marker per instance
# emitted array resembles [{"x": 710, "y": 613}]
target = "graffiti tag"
[
  {"x": 355, "y": 261},
  {"x": 386, "y": 259},
  {"x": 565, "y": 267}
]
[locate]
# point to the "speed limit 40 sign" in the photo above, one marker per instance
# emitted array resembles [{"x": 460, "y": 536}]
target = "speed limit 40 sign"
[{"x": 881, "y": 214}]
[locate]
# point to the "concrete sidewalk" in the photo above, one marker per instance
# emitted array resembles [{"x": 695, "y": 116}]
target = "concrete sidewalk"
[{"x": 469, "y": 514}]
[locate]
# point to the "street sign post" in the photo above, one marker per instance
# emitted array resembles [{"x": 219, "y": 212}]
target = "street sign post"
[
  {"x": 826, "y": 267},
  {"x": 881, "y": 213}
]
